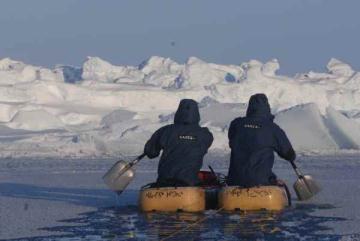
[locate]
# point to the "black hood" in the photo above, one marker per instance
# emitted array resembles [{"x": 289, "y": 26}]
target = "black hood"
[
  {"x": 259, "y": 107},
  {"x": 187, "y": 112}
]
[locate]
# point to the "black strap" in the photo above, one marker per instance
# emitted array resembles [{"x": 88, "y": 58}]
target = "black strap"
[{"x": 288, "y": 194}]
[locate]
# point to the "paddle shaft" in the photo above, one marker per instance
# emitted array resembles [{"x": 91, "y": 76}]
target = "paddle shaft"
[
  {"x": 132, "y": 163},
  {"x": 296, "y": 169}
]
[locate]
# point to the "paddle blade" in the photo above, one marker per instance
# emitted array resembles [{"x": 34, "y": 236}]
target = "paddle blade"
[
  {"x": 306, "y": 187},
  {"x": 118, "y": 177}
]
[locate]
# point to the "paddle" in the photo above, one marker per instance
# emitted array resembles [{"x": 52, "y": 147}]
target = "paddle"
[
  {"x": 305, "y": 187},
  {"x": 121, "y": 174}
]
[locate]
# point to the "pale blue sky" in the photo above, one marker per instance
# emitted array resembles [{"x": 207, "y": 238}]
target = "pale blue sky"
[{"x": 302, "y": 34}]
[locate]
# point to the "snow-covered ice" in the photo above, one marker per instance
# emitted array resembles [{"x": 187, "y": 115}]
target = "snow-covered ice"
[
  {"x": 61, "y": 128},
  {"x": 101, "y": 109},
  {"x": 66, "y": 199}
]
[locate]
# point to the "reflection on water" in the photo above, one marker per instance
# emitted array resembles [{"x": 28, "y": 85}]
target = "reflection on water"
[{"x": 126, "y": 223}]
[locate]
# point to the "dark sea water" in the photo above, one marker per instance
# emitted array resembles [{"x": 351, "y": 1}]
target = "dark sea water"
[{"x": 128, "y": 224}]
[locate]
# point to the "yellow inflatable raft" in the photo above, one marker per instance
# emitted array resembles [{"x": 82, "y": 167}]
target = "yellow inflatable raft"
[
  {"x": 256, "y": 198},
  {"x": 170, "y": 199}
]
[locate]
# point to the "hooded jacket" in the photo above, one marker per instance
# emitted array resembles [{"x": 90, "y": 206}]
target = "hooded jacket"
[
  {"x": 183, "y": 143},
  {"x": 253, "y": 140}
]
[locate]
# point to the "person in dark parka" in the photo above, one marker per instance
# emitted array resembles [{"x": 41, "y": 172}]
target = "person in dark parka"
[
  {"x": 253, "y": 140},
  {"x": 184, "y": 145}
]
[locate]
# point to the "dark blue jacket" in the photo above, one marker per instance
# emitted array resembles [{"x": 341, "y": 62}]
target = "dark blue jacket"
[
  {"x": 184, "y": 145},
  {"x": 253, "y": 140}
]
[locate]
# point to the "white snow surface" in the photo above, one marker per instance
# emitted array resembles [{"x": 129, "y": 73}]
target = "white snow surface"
[{"x": 103, "y": 109}]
